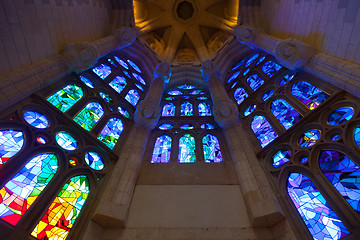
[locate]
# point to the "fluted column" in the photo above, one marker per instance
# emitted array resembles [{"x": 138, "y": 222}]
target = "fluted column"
[
  {"x": 115, "y": 202},
  {"x": 259, "y": 198},
  {"x": 294, "y": 54},
  {"x": 21, "y": 82}
]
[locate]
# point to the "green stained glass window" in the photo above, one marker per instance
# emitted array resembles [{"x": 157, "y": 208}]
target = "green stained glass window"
[
  {"x": 187, "y": 149},
  {"x": 90, "y": 115},
  {"x": 212, "y": 152},
  {"x": 66, "y": 97},
  {"x": 186, "y": 109},
  {"x": 111, "y": 132}
]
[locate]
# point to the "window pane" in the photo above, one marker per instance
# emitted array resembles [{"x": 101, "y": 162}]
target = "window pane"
[
  {"x": 162, "y": 150},
  {"x": 204, "y": 109},
  {"x": 111, "y": 132},
  {"x": 341, "y": 115},
  {"x": 212, "y": 152},
  {"x": 168, "y": 110},
  {"x": 187, "y": 149},
  {"x": 94, "y": 160},
  {"x": 118, "y": 84},
  {"x": 186, "y": 109},
  {"x": 263, "y": 130},
  {"x": 254, "y": 81},
  {"x": 89, "y": 116},
  {"x": 36, "y": 119},
  {"x": 11, "y": 142},
  {"x": 285, "y": 113},
  {"x": 240, "y": 95},
  {"x": 102, "y": 71},
  {"x": 66, "y": 97},
  {"x": 132, "y": 97},
  {"x": 270, "y": 68},
  {"x": 308, "y": 94}
]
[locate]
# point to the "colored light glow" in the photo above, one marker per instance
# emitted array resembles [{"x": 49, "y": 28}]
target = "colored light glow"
[
  {"x": 202, "y": 98},
  {"x": 124, "y": 112},
  {"x": 169, "y": 98},
  {"x": 212, "y": 151},
  {"x": 166, "y": 126},
  {"x": 106, "y": 97},
  {"x": 139, "y": 78},
  {"x": 309, "y": 138},
  {"x": 237, "y": 65},
  {"x": 235, "y": 75},
  {"x": 251, "y": 59},
  {"x": 246, "y": 71},
  {"x": 87, "y": 82},
  {"x": 11, "y": 142},
  {"x": 249, "y": 110},
  {"x": 127, "y": 74},
  {"x": 18, "y": 194},
  {"x": 112, "y": 62},
  {"x": 73, "y": 161},
  {"x": 111, "y": 132},
  {"x": 134, "y": 66},
  {"x": 204, "y": 109},
  {"x": 240, "y": 95},
  {"x": 168, "y": 110},
  {"x": 263, "y": 130},
  {"x": 287, "y": 78},
  {"x": 267, "y": 95},
  {"x": 187, "y": 126},
  {"x": 66, "y": 97},
  {"x": 102, "y": 71},
  {"x": 260, "y": 60},
  {"x": 41, "y": 140},
  {"x": 187, "y": 149},
  {"x": 186, "y": 109},
  {"x": 270, "y": 68},
  {"x": 121, "y": 62},
  {"x": 254, "y": 81},
  {"x": 357, "y": 135},
  {"x": 308, "y": 94},
  {"x": 162, "y": 150},
  {"x": 175, "y": 92},
  {"x": 280, "y": 158},
  {"x": 186, "y": 86},
  {"x": 207, "y": 126},
  {"x": 94, "y": 160},
  {"x": 341, "y": 115},
  {"x": 89, "y": 116},
  {"x": 132, "y": 97},
  {"x": 66, "y": 141},
  {"x": 139, "y": 86},
  {"x": 36, "y": 119},
  {"x": 285, "y": 113},
  {"x": 234, "y": 84},
  {"x": 197, "y": 92},
  {"x": 304, "y": 159},
  {"x": 118, "y": 84}
]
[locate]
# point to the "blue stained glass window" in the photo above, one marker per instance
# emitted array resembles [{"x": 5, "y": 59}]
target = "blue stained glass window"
[
  {"x": 66, "y": 141},
  {"x": 285, "y": 113},
  {"x": 87, "y": 82},
  {"x": 65, "y": 98},
  {"x": 168, "y": 110},
  {"x": 341, "y": 115},
  {"x": 260, "y": 60},
  {"x": 357, "y": 135},
  {"x": 89, "y": 116},
  {"x": 286, "y": 79},
  {"x": 335, "y": 137},
  {"x": 211, "y": 146},
  {"x": 321, "y": 220},
  {"x": 41, "y": 140},
  {"x": 196, "y": 92},
  {"x": 134, "y": 66},
  {"x": 267, "y": 95},
  {"x": 36, "y": 119},
  {"x": 186, "y": 86},
  {"x": 187, "y": 149},
  {"x": 162, "y": 150},
  {"x": 118, "y": 84},
  {"x": 102, "y": 71},
  {"x": 186, "y": 109},
  {"x": 249, "y": 110},
  {"x": 139, "y": 78},
  {"x": 11, "y": 142},
  {"x": 187, "y": 126},
  {"x": 246, "y": 71},
  {"x": 175, "y": 92},
  {"x": 309, "y": 138},
  {"x": 94, "y": 160},
  {"x": 240, "y": 95},
  {"x": 121, "y": 62},
  {"x": 344, "y": 174},
  {"x": 237, "y": 65},
  {"x": 169, "y": 98},
  {"x": 308, "y": 94},
  {"x": 202, "y": 98},
  {"x": 270, "y": 68},
  {"x": 263, "y": 130},
  {"x": 111, "y": 132},
  {"x": 132, "y": 97},
  {"x": 304, "y": 159},
  {"x": 254, "y": 81},
  {"x": 139, "y": 86},
  {"x": 112, "y": 62},
  {"x": 127, "y": 74},
  {"x": 207, "y": 126},
  {"x": 251, "y": 59},
  {"x": 166, "y": 126},
  {"x": 124, "y": 112},
  {"x": 233, "y": 76},
  {"x": 281, "y": 157},
  {"x": 204, "y": 109},
  {"x": 233, "y": 85},
  {"x": 106, "y": 97}
]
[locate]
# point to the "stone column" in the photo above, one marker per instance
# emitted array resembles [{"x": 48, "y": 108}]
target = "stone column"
[
  {"x": 259, "y": 198},
  {"x": 113, "y": 208},
  {"x": 19, "y": 83},
  {"x": 295, "y": 55}
]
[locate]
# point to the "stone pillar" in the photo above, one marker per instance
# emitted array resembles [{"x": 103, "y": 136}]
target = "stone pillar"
[
  {"x": 259, "y": 198},
  {"x": 115, "y": 202},
  {"x": 295, "y": 55},
  {"x": 19, "y": 83}
]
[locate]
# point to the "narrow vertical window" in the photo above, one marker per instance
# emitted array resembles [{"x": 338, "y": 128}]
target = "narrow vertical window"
[
  {"x": 132, "y": 97},
  {"x": 89, "y": 116},
  {"x": 212, "y": 152},
  {"x": 270, "y": 68},
  {"x": 285, "y": 113},
  {"x": 11, "y": 142},
  {"x": 308, "y": 94},
  {"x": 187, "y": 149},
  {"x": 64, "y": 210},
  {"x": 168, "y": 110},
  {"x": 240, "y": 95},
  {"x": 321, "y": 220},
  {"x": 111, "y": 132},
  {"x": 263, "y": 130},
  {"x": 17, "y": 196},
  {"x": 162, "y": 150},
  {"x": 204, "y": 109},
  {"x": 66, "y": 97},
  {"x": 186, "y": 109}
]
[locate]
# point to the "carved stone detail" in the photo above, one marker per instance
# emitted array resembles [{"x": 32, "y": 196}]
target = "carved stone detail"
[
  {"x": 163, "y": 70},
  {"x": 293, "y": 54},
  {"x": 80, "y": 56},
  {"x": 209, "y": 69},
  {"x": 147, "y": 113},
  {"x": 245, "y": 34},
  {"x": 125, "y": 36},
  {"x": 226, "y": 113}
]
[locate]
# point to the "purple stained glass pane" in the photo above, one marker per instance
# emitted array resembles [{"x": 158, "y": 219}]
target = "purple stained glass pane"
[
  {"x": 270, "y": 68},
  {"x": 285, "y": 113},
  {"x": 196, "y": 92},
  {"x": 162, "y": 150},
  {"x": 204, "y": 109},
  {"x": 124, "y": 112},
  {"x": 211, "y": 146},
  {"x": 240, "y": 95},
  {"x": 187, "y": 126},
  {"x": 121, "y": 62},
  {"x": 281, "y": 157},
  {"x": 139, "y": 78},
  {"x": 132, "y": 97},
  {"x": 254, "y": 81},
  {"x": 237, "y": 65},
  {"x": 175, "y": 92},
  {"x": 344, "y": 174},
  {"x": 341, "y": 115},
  {"x": 166, "y": 126},
  {"x": 202, "y": 98},
  {"x": 233, "y": 76},
  {"x": 286, "y": 79},
  {"x": 263, "y": 130},
  {"x": 309, "y": 138},
  {"x": 251, "y": 59},
  {"x": 118, "y": 84},
  {"x": 267, "y": 95},
  {"x": 207, "y": 126},
  {"x": 249, "y": 110},
  {"x": 186, "y": 109},
  {"x": 102, "y": 71},
  {"x": 168, "y": 110},
  {"x": 321, "y": 220},
  {"x": 308, "y": 94}
]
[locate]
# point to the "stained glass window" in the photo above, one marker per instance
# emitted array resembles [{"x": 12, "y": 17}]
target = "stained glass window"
[
  {"x": 202, "y": 98},
  {"x": 73, "y": 161},
  {"x": 162, "y": 150},
  {"x": 281, "y": 157},
  {"x": 186, "y": 109},
  {"x": 286, "y": 79},
  {"x": 240, "y": 95},
  {"x": 212, "y": 152},
  {"x": 121, "y": 62},
  {"x": 134, "y": 66},
  {"x": 175, "y": 92},
  {"x": 66, "y": 141},
  {"x": 270, "y": 68},
  {"x": 263, "y": 130},
  {"x": 251, "y": 59},
  {"x": 166, "y": 126},
  {"x": 235, "y": 75},
  {"x": 207, "y": 126},
  {"x": 321, "y": 220},
  {"x": 22, "y": 190},
  {"x": 254, "y": 81},
  {"x": 249, "y": 110},
  {"x": 87, "y": 82},
  {"x": 112, "y": 62},
  {"x": 118, "y": 84},
  {"x": 133, "y": 97},
  {"x": 94, "y": 160},
  {"x": 64, "y": 210},
  {"x": 285, "y": 113},
  {"x": 124, "y": 112},
  {"x": 204, "y": 109},
  {"x": 139, "y": 86},
  {"x": 187, "y": 126},
  {"x": 127, "y": 74},
  {"x": 357, "y": 135},
  {"x": 168, "y": 110},
  {"x": 66, "y": 97},
  {"x": 246, "y": 71},
  {"x": 237, "y": 65},
  {"x": 106, "y": 97},
  {"x": 308, "y": 94},
  {"x": 335, "y": 137},
  {"x": 36, "y": 119},
  {"x": 41, "y": 140},
  {"x": 267, "y": 95},
  {"x": 344, "y": 174},
  {"x": 11, "y": 142},
  {"x": 111, "y": 132},
  {"x": 90, "y": 115},
  {"x": 303, "y": 159},
  {"x": 102, "y": 71},
  {"x": 196, "y": 92},
  {"x": 341, "y": 115},
  {"x": 187, "y": 149},
  {"x": 309, "y": 138},
  {"x": 139, "y": 78},
  {"x": 186, "y": 86},
  {"x": 260, "y": 60}
]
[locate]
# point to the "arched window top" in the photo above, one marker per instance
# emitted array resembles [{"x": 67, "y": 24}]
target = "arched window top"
[
  {"x": 111, "y": 132},
  {"x": 64, "y": 210},
  {"x": 162, "y": 149},
  {"x": 240, "y": 95},
  {"x": 133, "y": 97},
  {"x": 168, "y": 110},
  {"x": 187, "y": 149},
  {"x": 212, "y": 151},
  {"x": 186, "y": 109},
  {"x": 285, "y": 113},
  {"x": 102, "y": 70},
  {"x": 66, "y": 97},
  {"x": 270, "y": 68},
  {"x": 118, "y": 84},
  {"x": 254, "y": 81},
  {"x": 321, "y": 220},
  {"x": 11, "y": 142},
  {"x": 90, "y": 115},
  {"x": 204, "y": 109},
  {"x": 308, "y": 94},
  {"x": 263, "y": 130}
]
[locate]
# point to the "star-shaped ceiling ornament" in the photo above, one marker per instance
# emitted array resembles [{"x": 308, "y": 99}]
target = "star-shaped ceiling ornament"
[{"x": 185, "y": 31}]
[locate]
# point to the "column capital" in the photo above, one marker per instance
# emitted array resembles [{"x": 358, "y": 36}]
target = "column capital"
[
  {"x": 245, "y": 34},
  {"x": 163, "y": 71},
  {"x": 125, "y": 35},
  {"x": 80, "y": 56},
  {"x": 226, "y": 112},
  {"x": 293, "y": 54},
  {"x": 209, "y": 69},
  {"x": 147, "y": 113}
]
